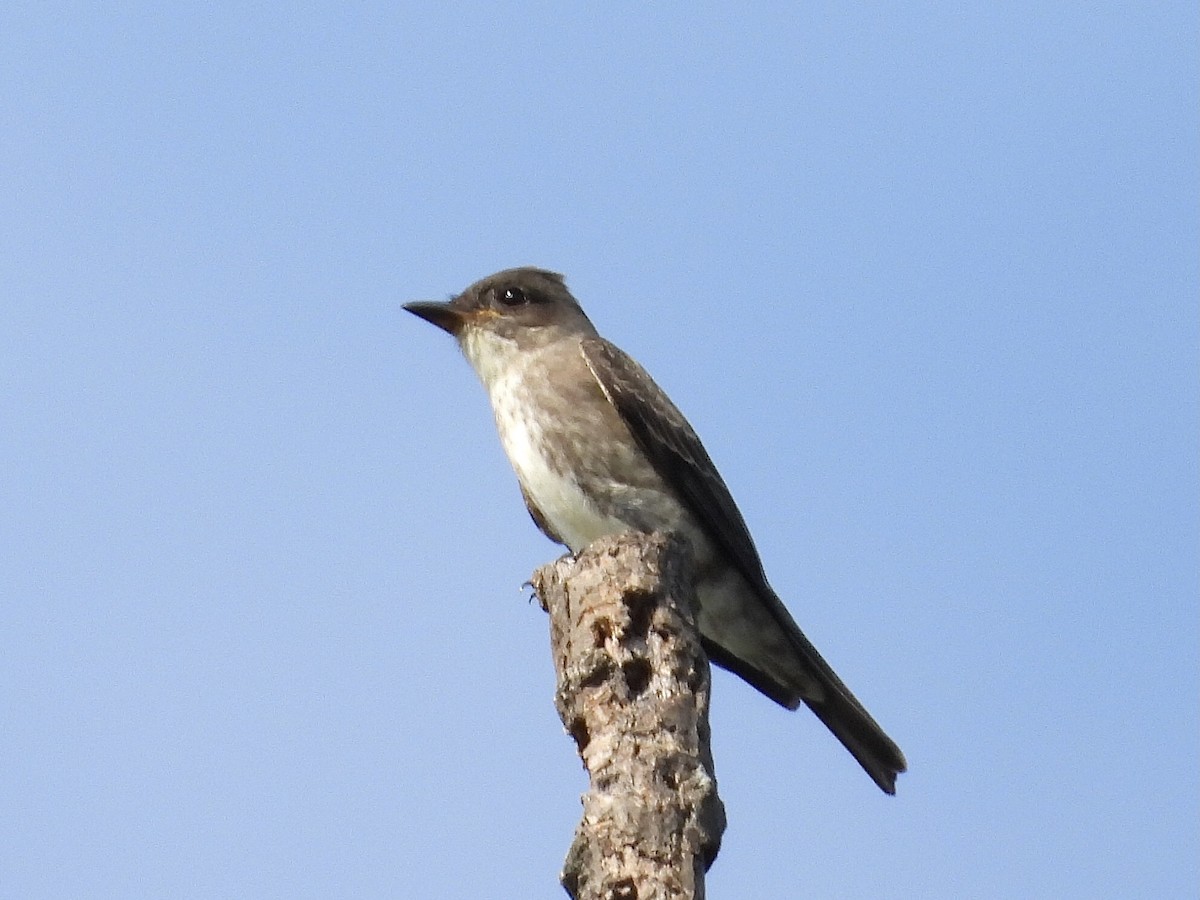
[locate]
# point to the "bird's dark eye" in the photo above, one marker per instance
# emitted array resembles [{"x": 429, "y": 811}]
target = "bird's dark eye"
[{"x": 511, "y": 296}]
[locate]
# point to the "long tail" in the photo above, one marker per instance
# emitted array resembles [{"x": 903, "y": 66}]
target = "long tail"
[
  {"x": 749, "y": 631},
  {"x": 862, "y": 736},
  {"x": 809, "y": 678},
  {"x": 849, "y": 721}
]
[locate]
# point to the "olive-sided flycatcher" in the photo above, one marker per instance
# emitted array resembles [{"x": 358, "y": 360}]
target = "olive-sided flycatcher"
[{"x": 599, "y": 449}]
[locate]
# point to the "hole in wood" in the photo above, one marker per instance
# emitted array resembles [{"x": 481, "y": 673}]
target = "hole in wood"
[
  {"x": 579, "y": 731},
  {"x": 637, "y": 676}
]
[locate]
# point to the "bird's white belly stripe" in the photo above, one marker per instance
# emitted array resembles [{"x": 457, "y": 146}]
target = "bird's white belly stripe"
[{"x": 566, "y": 509}]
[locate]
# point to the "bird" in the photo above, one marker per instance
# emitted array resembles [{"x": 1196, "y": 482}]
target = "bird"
[{"x": 599, "y": 449}]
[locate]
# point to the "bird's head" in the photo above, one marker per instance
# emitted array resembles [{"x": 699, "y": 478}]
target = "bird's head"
[{"x": 506, "y": 313}]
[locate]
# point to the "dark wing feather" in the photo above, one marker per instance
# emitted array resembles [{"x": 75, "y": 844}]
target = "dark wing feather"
[
  {"x": 675, "y": 452},
  {"x": 665, "y": 436}
]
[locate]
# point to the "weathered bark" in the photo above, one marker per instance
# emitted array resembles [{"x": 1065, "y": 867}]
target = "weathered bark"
[{"x": 633, "y": 691}]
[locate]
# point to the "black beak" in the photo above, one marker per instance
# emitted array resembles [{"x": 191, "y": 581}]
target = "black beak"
[{"x": 443, "y": 315}]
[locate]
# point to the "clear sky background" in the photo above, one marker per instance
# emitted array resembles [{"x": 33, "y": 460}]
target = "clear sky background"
[{"x": 923, "y": 275}]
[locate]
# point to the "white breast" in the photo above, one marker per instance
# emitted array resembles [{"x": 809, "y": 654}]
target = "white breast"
[
  {"x": 566, "y": 509},
  {"x": 506, "y": 374}
]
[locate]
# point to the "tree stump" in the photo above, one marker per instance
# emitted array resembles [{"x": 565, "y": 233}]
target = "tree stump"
[{"x": 633, "y": 691}]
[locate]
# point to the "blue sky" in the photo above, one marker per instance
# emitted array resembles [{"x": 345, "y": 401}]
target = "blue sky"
[{"x": 924, "y": 276}]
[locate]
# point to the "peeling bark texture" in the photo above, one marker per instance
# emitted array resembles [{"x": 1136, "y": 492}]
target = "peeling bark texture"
[{"x": 633, "y": 691}]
